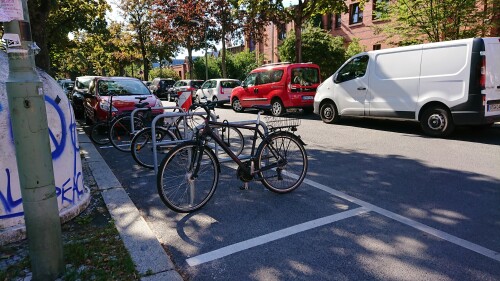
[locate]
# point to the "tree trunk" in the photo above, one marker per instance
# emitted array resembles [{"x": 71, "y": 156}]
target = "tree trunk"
[
  {"x": 39, "y": 12},
  {"x": 298, "y": 40},
  {"x": 145, "y": 62},
  {"x": 190, "y": 61},
  {"x": 223, "y": 52}
]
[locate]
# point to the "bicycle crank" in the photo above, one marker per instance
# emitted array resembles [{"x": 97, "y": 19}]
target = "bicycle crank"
[{"x": 244, "y": 174}]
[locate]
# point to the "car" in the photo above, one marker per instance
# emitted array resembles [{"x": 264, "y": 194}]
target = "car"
[
  {"x": 184, "y": 86},
  {"x": 67, "y": 85},
  {"x": 216, "y": 89},
  {"x": 76, "y": 97},
  {"x": 282, "y": 85},
  {"x": 124, "y": 92},
  {"x": 160, "y": 87},
  {"x": 147, "y": 83}
]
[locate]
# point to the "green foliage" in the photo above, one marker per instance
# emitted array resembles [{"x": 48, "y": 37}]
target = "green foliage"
[
  {"x": 416, "y": 21},
  {"x": 318, "y": 46},
  {"x": 163, "y": 73},
  {"x": 214, "y": 69},
  {"x": 238, "y": 66},
  {"x": 354, "y": 48}
]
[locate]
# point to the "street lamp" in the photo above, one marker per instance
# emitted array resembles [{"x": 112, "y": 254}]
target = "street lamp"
[{"x": 206, "y": 45}]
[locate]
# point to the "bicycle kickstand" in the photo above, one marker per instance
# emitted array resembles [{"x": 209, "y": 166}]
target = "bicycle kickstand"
[{"x": 245, "y": 186}]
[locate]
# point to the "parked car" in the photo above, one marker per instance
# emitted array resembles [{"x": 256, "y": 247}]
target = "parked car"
[
  {"x": 438, "y": 84},
  {"x": 76, "y": 97},
  {"x": 124, "y": 90},
  {"x": 216, "y": 89},
  {"x": 160, "y": 87},
  {"x": 67, "y": 85},
  {"x": 183, "y": 86},
  {"x": 147, "y": 83},
  {"x": 281, "y": 85}
]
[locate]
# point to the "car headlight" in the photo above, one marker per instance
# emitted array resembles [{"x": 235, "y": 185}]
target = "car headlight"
[{"x": 104, "y": 105}]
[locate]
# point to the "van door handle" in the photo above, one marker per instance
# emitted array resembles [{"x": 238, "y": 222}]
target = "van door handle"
[
  {"x": 361, "y": 88},
  {"x": 255, "y": 90}
]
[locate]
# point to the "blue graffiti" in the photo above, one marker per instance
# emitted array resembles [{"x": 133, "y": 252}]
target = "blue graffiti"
[
  {"x": 59, "y": 146},
  {"x": 8, "y": 202},
  {"x": 70, "y": 191}
]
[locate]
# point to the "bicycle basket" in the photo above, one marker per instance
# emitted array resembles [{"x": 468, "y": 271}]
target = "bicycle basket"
[{"x": 276, "y": 123}]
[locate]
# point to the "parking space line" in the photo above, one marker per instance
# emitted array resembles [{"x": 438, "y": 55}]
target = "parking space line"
[
  {"x": 420, "y": 226},
  {"x": 257, "y": 241}
]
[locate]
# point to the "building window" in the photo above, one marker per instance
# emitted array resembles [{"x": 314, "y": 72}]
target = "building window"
[
  {"x": 338, "y": 21},
  {"x": 281, "y": 32},
  {"x": 380, "y": 9},
  {"x": 355, "y": 14},
  {"x": 377, "y": 47},
  {"x": 328, "y": 21}
]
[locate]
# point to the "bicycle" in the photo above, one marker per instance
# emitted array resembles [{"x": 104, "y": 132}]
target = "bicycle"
[
  {"x": 142, "y": 145},
  {"x": 189, "y": 173}
]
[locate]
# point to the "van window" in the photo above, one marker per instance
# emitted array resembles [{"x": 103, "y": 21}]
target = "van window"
[
  {"x": 400, "y": 64},
  {"x": 353, "y": 69},
  {"x": 305, "y": 76},
  {"x": 229, "y": 84},
  {"x": 250, "y": 80}
]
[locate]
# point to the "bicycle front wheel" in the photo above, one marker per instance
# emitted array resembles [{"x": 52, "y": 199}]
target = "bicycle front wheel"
[
  {"x": 142, "y": 146},
  {"x": 99, "y": 133},
  {"x": 282, "y": 162},
  {"x": 120, "y": 132},
  {"x": 178, "y": 188}
]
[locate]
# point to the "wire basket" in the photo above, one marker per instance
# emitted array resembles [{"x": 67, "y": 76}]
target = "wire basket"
[{"x": 276, "y": 123}]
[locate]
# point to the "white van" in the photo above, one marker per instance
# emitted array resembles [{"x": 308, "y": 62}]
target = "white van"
[{"x": 438, "y": 84}]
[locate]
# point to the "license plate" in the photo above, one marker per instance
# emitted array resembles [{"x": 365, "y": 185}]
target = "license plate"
[
  {"x": 494, "y": 107},
  {"x": 307, "y": 97}
]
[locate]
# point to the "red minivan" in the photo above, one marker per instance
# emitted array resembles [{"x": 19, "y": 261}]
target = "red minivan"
[
  {"x": 281, "y": 85},
  {"x": 124, "y": 90}
]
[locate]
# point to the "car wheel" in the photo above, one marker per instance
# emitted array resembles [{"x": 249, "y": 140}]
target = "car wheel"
[
  {"x": 236, "y": 105},
  {"x": 436, "y": 121},
  {"x": 277, "y": 107},
  {"x": 215, "y": 99},
  {"x": 328, "y": 113}
]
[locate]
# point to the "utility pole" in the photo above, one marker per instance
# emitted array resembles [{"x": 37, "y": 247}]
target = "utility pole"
[{"x": 34, "y": 160}]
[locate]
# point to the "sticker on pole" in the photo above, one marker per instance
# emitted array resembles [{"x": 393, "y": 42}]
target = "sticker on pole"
[
  {"x": 11, "y": 10},
  {"x": 11, "y": 39}
]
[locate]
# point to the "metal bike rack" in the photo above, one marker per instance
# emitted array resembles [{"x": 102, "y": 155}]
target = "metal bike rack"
[{"x": 132, "y": 128}]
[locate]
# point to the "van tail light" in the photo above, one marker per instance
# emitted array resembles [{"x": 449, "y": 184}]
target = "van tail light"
[
  {"x": 482, "y": 77},
  {"x": 289, "y": 87},
  {"x": 221, "y": 90},
  {"x": 484, "y": 100}
]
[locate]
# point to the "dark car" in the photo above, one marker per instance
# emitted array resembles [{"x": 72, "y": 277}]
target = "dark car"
[
  {"x": 183, "y": 86},
  {"x": 160, "y": 87},
  {"x": 76, "y": 97}
]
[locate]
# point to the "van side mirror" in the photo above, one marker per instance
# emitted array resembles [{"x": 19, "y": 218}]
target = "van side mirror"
[{"x": 337, "y": 79}]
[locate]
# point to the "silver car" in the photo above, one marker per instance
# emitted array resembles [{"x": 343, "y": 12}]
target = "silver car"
[{"x": 216, "y": 89}]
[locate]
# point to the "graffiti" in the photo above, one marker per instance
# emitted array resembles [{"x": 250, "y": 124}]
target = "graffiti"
[
  {"x": 70, "y": 191},
  {"x": 7, "y": 202},
  {"x": 59, "y": 146}
]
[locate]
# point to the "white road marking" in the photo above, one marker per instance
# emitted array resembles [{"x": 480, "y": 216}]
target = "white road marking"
[
  {"x": 422, "y": 227},
  {"x": 257, "y": 241}
]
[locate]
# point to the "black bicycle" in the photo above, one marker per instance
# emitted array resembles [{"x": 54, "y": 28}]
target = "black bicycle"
[
  {"x": 178, "y": 129},
  {"x": 189, "y": 173}
]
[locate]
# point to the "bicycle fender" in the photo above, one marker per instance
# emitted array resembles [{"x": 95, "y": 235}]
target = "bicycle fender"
[{"x": 290, "y": 135}]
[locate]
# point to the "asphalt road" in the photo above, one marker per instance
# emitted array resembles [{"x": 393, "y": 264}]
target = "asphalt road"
[{"x": 380, "y": 202}]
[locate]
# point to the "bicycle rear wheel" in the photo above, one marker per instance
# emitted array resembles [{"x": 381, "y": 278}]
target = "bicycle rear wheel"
[
  {"x": 142, "y": 146},
  {"x": 282, "y": 160},
  {"x": 99, "y": 133},
  {"x": 233, "y": 138},
  {"x": 176, "y": 187},
  {"x": 120, "y": 132}
]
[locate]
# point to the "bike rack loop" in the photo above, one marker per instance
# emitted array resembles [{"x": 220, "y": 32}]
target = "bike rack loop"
[{"x": 132, "y": 128}]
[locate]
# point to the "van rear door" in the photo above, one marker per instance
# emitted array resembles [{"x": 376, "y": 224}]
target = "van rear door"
[{"x": 492, "y": 79}]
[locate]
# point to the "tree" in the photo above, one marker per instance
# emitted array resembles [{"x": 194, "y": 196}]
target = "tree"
[
  {"x": 183, "y": 22},
  {"x": 51, "y": 21},
  {"x": 138, "y": 15},
  {"x": 276, "y": 12},
  {"x": 354, "y": 48},
  {"x": 416, "y": 21},
  {"x": 317, "y": 44}
]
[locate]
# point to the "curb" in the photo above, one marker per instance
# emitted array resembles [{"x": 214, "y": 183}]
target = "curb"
[{"x": 148, "y": 255}]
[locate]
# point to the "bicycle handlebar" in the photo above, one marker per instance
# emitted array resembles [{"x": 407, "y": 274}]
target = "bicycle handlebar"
[{"x": 210, "y": 105}]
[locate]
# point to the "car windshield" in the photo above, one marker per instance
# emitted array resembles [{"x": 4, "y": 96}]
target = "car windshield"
[
  {"x": 83, "y": 82},
  {"x": 122, "y": 87}
]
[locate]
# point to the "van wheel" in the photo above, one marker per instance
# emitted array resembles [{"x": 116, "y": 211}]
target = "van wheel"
[
  {"x": 215, "y": 100},
  {"x": 277, "y": 108},
  {"x": 437, "y": 122},
  {"x": 328, "y": 113},
  {"x": 236, "y": 105}
]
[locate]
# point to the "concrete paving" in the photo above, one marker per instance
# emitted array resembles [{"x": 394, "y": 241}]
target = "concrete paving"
[{"x": 148, "y": 255}]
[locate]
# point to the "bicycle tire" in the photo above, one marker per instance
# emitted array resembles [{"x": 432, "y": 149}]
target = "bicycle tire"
[
  {"x": 288, "y": 177},
  {"x": 99, "y": 133},
  {"x": 173, "y": 180},
  {"x": 142, "y": 146},
  {"x": 120, "y": 132}
]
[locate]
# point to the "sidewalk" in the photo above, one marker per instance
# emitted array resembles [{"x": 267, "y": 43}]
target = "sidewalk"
[{"x": 148, "y": 255}]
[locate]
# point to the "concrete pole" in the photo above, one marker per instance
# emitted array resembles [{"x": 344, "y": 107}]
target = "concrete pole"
[{"x": 34, "y": 160}]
